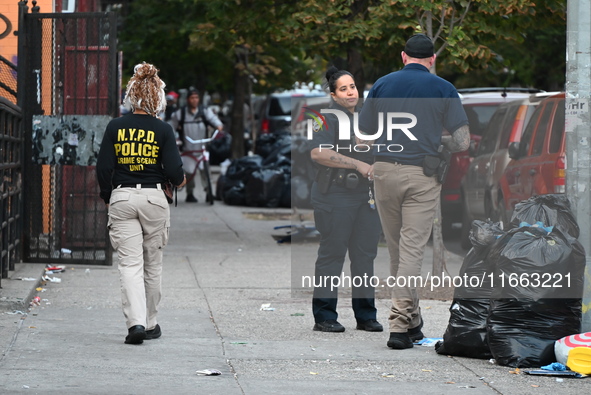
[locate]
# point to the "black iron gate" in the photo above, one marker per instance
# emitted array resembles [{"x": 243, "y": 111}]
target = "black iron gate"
[
  {"x": 11, "y": 190},
  {"x": 70, "y": 92},
  {"x": 11, "y": 164}
]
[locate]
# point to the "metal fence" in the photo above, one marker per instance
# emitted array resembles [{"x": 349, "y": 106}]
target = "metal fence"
[
  {"x": 11, "y": 191},
  {"x": 8, "y": 74},
  {"x": 70, "y": 94}
]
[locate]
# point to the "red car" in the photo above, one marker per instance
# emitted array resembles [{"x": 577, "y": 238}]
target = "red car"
[
  {"x": 538, "y": 161},
  {"x": 479, "y": 104},
  {"x": 480, "y": 185}
]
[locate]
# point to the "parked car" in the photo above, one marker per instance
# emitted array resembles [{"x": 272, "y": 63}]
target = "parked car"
[
  {"x": 480, "y": 186},
  {"x": 479, "y": 104},
  {"x": 275, "y": 110},
  {"x": 538, "y": 161}
]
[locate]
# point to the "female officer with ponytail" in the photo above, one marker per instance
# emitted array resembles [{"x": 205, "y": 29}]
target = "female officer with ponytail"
[{"x": 344, "y": 213}]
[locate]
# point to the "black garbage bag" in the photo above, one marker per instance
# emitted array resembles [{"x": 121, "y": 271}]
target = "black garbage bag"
[
  {"x": 466, "y": 334},
  {"x": 220, "y": 149},
  {"x": 285, "y": 200},
  {"x": 300, "y": 192},
  {"x": 477, "y": 270},
  {"x": 466, "y": 331},
  {"x": 281, "y": 152},
  {"x": 301, "y": 161},
  {"x": 536, "y": 298},
  {"x": 234, "y": 194},
  {"x": 241, "y": 168},
  {"x": 264, "y": 144},
  {"x": 267, "y": 144},
  {"x": 539, "y": 263},
  {"x": 286, "y": 197},
  {"x": 522, "y": 333},
  {"x": 232, "y": 190},
  {"x": 219, "y": 187},
  {"x": 229, "y": 183},
  {"x": 265, "y": 188},
  {"x": 551, "y": 210},
  {"x": 484, "y": 233},
  {"x": 277, "y": 161}
]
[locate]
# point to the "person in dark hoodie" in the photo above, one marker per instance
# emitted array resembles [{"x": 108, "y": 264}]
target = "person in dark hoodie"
[
  {"x": 138, "y": 155},
  {"x": 344, "y": 212}
]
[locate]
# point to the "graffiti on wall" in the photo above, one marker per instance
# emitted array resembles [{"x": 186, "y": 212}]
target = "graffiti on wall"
[{"x": 68, "y": 139}]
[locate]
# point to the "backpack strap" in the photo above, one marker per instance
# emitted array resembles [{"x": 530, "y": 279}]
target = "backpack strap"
[
  {"x": 181, "y": 127},
  {"x": 201, "y": 114}
]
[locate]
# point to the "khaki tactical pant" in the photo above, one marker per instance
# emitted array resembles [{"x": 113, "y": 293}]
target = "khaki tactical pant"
[
  {"x": 139, "y": 220},
  {"x": 406, "y": 201}
]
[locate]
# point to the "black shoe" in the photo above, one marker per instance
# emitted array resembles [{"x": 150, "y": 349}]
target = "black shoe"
[
  {"x": 399, "y": 341},
  {"x": 136, "y": 335},
  {"x": 416, "y": 334},
  {"x": 370, "y": 326},
  {"x": 154, "y": 333},
  {"x": 190, "y": 198},
  {"x": 329, "y": 326}
]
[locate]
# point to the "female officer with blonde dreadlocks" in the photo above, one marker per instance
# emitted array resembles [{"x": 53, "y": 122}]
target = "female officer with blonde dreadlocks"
[{"x": 138, "y": 155}]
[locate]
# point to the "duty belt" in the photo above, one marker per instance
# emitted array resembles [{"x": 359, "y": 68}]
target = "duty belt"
[
  {"x": 140, "y": 186},
  {"x": 394, "y": 161}
]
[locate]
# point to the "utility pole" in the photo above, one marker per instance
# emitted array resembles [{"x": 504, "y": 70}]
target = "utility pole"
[{"x": 578, "y": 131}]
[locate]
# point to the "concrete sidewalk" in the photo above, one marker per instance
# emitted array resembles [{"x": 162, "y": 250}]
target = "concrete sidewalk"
[{"x": 221, "y": 266}]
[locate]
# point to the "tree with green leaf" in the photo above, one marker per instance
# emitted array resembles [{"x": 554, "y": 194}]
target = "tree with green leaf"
[{"x": 243, "y": 46}]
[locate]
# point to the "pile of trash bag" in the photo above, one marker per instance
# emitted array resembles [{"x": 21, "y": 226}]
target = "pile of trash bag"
[
  {"x": 279, "y": 174},
  {"x": 531, "y": 289},
  {"x": 259, "y": 180},
  {"x": 303, "y": 173}
]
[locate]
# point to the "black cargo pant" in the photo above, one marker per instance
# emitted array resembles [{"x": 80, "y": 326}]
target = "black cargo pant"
[{"x": 346, "y": 224}]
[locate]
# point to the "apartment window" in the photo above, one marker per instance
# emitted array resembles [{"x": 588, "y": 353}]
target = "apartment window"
[{"x": 68, "y": 5}]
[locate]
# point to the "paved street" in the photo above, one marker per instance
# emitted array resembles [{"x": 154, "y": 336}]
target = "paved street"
[{"x": 221, "y": 266}]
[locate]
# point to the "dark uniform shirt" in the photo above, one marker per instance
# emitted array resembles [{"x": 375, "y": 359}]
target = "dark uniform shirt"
[
  {"x": 412, "y": 91},
  {"x": 328, "y": 136},
  {"x": 137, "y": 149}
]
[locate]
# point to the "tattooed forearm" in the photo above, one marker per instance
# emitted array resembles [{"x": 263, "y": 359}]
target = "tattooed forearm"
[
  {"x": 331, "y": 158},
  {"x": 343, "y": 162},
  {"x": 458, "y": 141}
]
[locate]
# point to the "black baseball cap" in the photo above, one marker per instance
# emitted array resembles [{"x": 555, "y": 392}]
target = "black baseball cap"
[{"x": 419, "y": 46}]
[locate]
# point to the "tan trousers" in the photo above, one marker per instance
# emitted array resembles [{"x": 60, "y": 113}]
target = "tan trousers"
[
  {"x": 406, "y": 201},
  {"x": 139, "y": 221}
]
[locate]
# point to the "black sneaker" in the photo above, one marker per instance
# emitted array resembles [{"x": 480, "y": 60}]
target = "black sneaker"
[
  {"x": 329, "y": 326},
  {"x": 399, "y": 341},
  {"x": 154, "y": 333},
  {"x": 190, "y": 198},
  {"x": 416, "y": 334},
  {"x": 370, "y": 326},
  {"x": 136, "y": 335}
]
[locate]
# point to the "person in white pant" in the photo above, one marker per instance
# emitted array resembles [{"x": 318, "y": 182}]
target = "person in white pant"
[{"x": 192, "y": 121}]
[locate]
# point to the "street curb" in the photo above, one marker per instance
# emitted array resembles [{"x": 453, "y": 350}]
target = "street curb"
[{"x": 15, "y": 296}]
